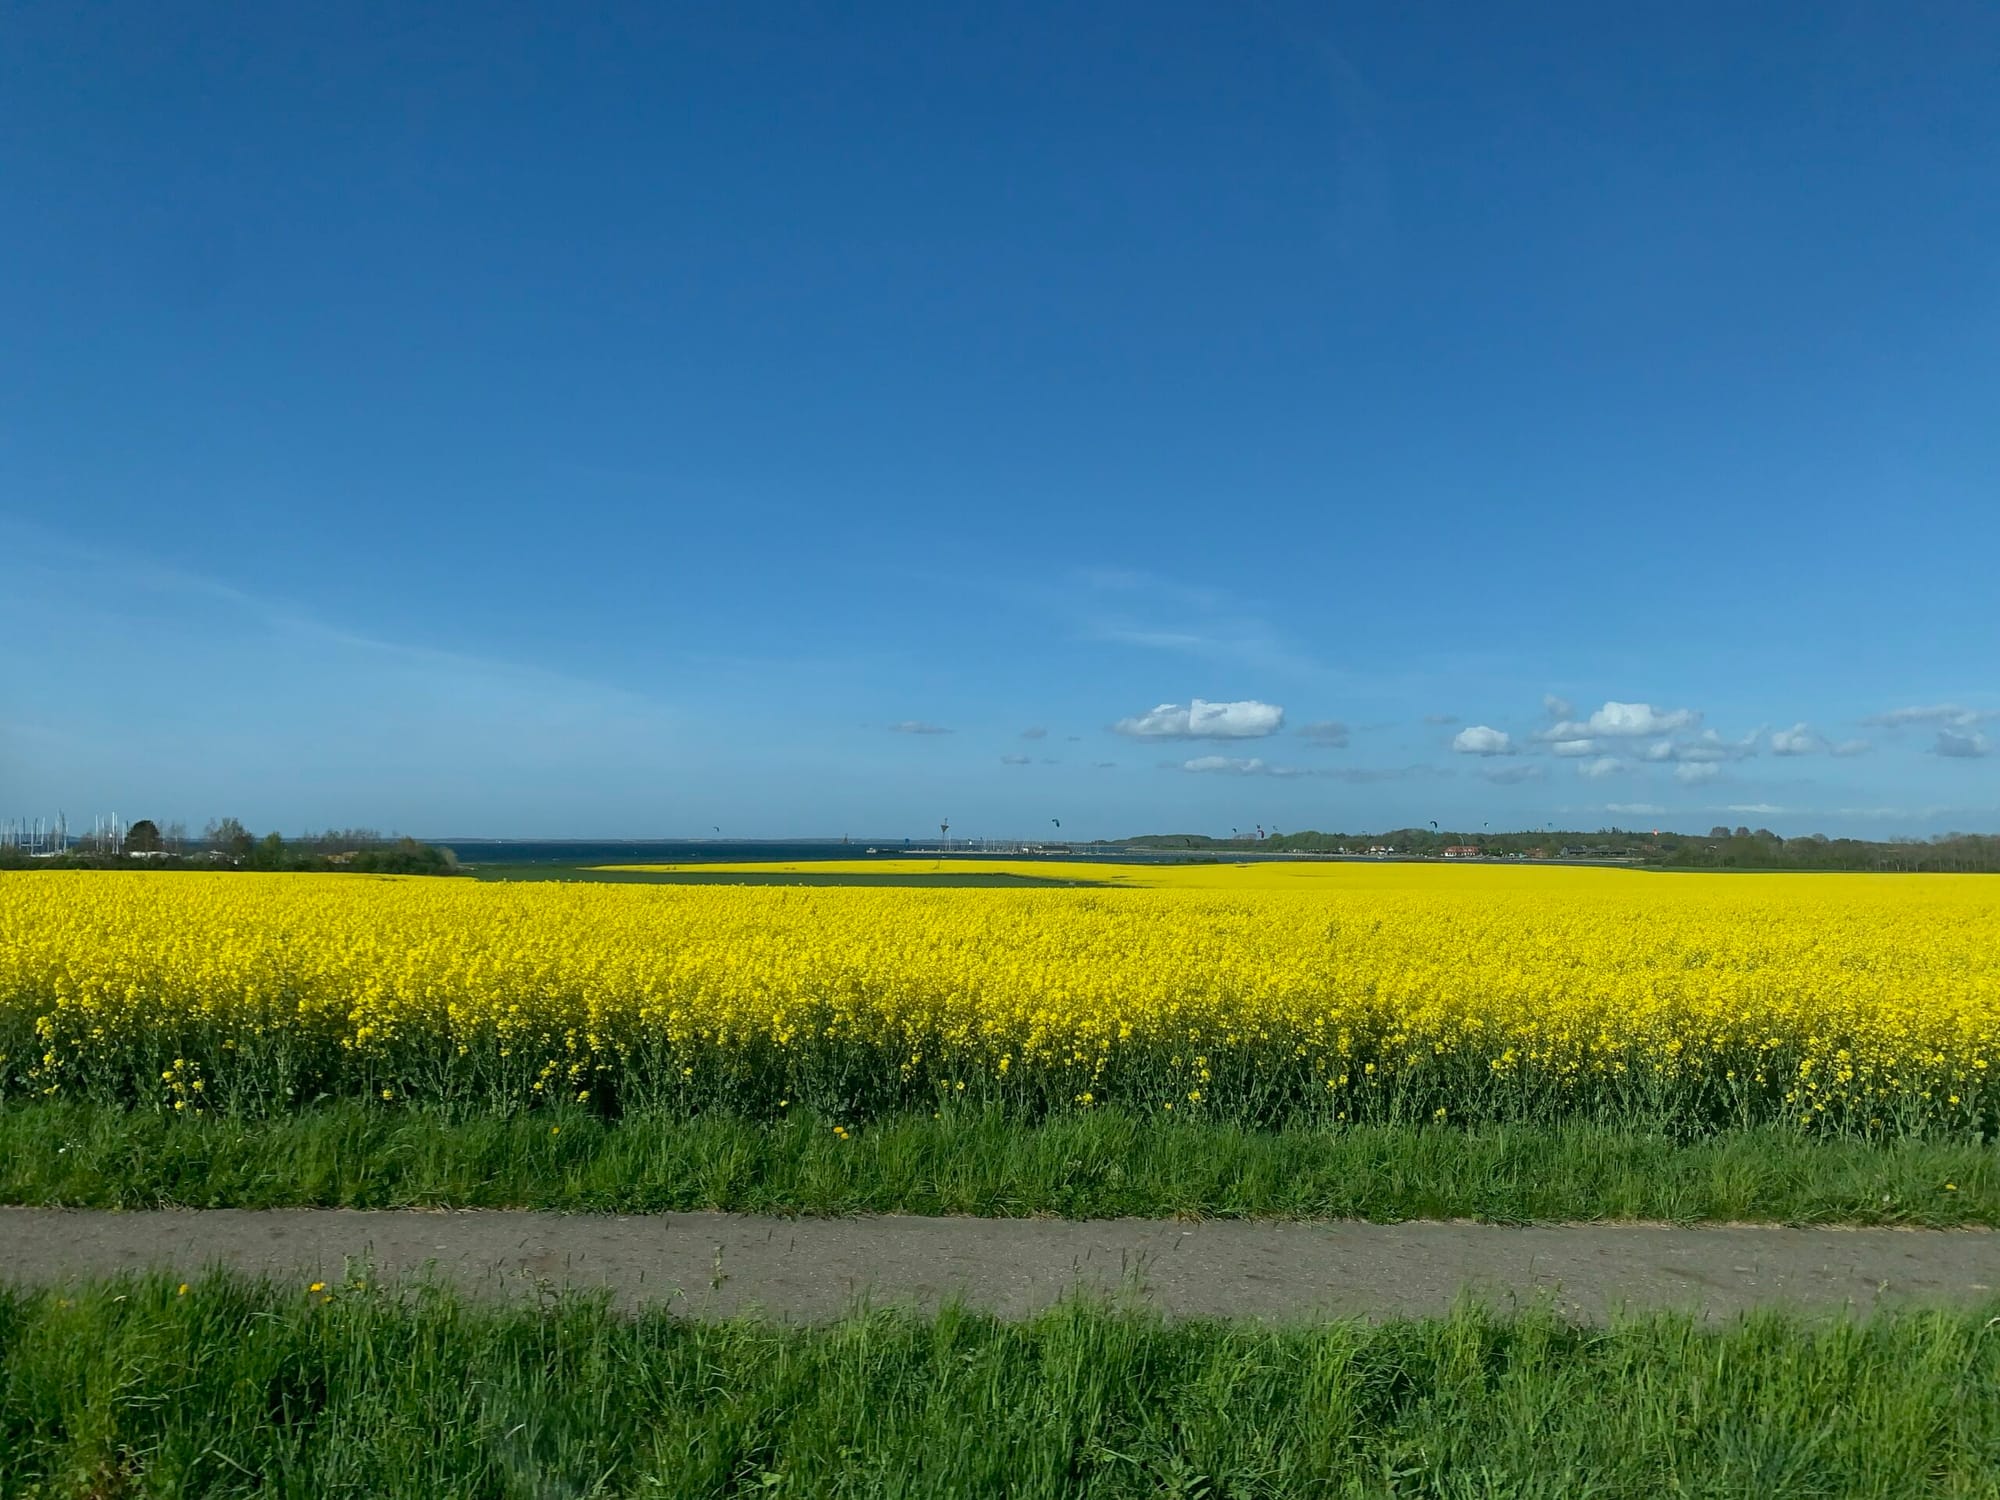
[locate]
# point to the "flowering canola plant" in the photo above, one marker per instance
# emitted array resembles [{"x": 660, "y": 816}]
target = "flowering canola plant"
[{"x": 1262, "y": 993}]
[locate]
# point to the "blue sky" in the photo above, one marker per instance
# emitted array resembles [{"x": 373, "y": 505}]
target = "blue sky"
[{"x": 529, "y": 421}]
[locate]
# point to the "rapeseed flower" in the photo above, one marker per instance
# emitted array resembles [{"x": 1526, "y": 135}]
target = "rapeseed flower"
[{"x": 1260, "y": 993}]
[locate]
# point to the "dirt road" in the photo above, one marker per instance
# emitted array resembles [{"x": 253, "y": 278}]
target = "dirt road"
[{"x": 709, "y": 1265}]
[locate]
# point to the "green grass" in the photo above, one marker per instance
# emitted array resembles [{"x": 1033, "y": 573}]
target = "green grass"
[
  {"x": 132, "y": 1388},
  {"x": 1101, "y": 1164}
]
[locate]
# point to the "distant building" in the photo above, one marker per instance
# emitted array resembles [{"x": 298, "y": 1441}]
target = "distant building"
[{"x": 1461, "y": 851}]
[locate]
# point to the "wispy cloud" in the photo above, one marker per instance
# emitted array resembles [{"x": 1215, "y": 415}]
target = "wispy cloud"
[
  {"x": 1754, "y": 809},
  {"x": 1911, "y": 814},
  {"x": 1369, "y": 776},
  {"x": 89, "y": 575},
  {"x": 1711, "y": 746},
  {"x": 1016, "y": 760},
  {"x": 1691, "y": 772},
  {"x": 917, "y": 726},
  {"x": 346, "y": 721},
  {"x": 1330, "y": 734},
  {"x": 1603, "y": 766},
  {"x": 1969, "y": 745},
  {"x": 1036, "y": 733},
  {"x": 1132, "y": 608},
  {"x": 1161, "y": 640},
  {"x": 1950, "y": 715},
  {"x": 1708, "y": 747},
  {"x": 1513, "y": 775},
  {"x": 1635, "y": 809}
]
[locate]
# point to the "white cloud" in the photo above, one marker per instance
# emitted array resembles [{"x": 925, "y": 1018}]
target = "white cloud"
[
  {"x": 1226, "y": 763},
  {"x": 1711, "y": 746},
  {"x": 1230, "y": 765},
  {"x": 1598, "y": 769},
  {"x": 1624, "y": 721},
  {"x": 1971, "y": 745},
  {"x": 1328, "y": 732},
  {"x": 1015, "y": 760},
  {"x": 1640, "y": 809},
  {"x": 1634, "y": 719},
  {"x": 1951, "y": 715},
  {"x": 1482, "y": 739},
  {"x": 1690, "y": 772},
  {"x": 1575, "y": 747},
  {"x": 1708, "y": 746},
  {"x": 1201, "y": 720},
  {"x": 1798, "y": 740},
  {"x": 1760, "y": 809},
  {"x": 1853, "y": 747},
  {"x": 1557, "y": 708},
  {"x": 918, "y": 726}
]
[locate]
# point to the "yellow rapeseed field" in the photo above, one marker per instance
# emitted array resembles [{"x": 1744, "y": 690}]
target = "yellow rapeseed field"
[{"x": 1262, "y": 992}]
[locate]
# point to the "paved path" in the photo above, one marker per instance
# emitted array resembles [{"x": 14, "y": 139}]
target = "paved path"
[{"x": 717, "y": 1264}]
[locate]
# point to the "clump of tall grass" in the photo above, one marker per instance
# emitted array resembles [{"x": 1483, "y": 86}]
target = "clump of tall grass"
[{"x": 232, "y": 1387}]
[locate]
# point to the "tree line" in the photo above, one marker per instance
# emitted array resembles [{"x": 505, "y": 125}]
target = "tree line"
[
  {"x": 1722, "y": 848},
  {"x": 227, "y": 844}
]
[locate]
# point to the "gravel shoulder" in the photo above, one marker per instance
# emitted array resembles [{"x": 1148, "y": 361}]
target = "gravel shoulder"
[{"x": 719, "y": 1265}]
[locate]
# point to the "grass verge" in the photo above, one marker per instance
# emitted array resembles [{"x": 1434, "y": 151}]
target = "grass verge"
[
  {"x": 231, "y": 1387},
  {"x": 1097, "y": 1165}
]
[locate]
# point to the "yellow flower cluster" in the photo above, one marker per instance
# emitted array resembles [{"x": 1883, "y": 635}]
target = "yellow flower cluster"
[{"x": 1262, "y": 992}]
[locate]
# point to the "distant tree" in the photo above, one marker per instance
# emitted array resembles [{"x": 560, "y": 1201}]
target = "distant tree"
[
  {"x": 1767, "y": 836},
  {"x": 405, "y": 857},
  {"x": 143, "y": 837},
  {"x": 229, "y": 837},
  {"x": 1742, "y": 832},
  {"x": 175, "y": 837},
  {"x": 269, "y": 853},
  {"x": 1718, "y": 832}
]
